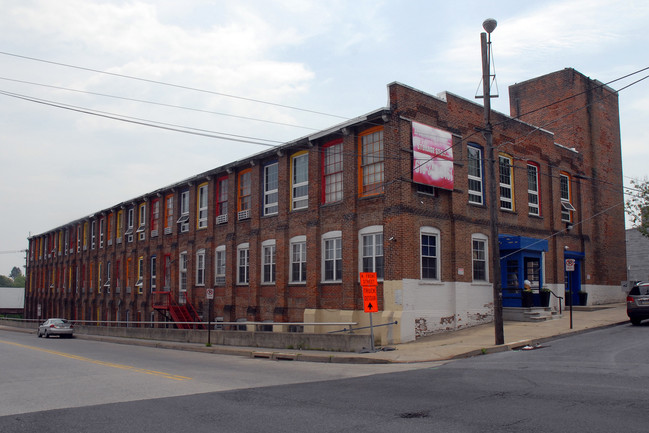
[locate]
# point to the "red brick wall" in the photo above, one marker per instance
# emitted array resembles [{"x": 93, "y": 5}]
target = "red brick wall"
[{"x": 595, "y": 168}]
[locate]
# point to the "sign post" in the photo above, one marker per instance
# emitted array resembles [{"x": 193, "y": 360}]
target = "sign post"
[
  {"x": 570, "y": 267},
  {"x": 210, "y": 296},
  {"x": 370, "y": 299}
]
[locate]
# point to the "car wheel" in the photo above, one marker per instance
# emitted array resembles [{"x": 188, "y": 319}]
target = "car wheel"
[
  {"x": 39, "y": 334},
  {"x": 635, "y": 321},
  {"x": 47, "y": 335}
]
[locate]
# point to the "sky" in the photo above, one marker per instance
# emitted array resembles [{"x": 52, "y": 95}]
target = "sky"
[{"x": 247, "y": 74}]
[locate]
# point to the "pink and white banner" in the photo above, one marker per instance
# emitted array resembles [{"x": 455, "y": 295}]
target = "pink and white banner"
[{"x": 432, "y": 156}]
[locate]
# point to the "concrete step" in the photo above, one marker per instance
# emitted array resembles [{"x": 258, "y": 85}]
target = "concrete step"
[{"x": 534, "y": 314}]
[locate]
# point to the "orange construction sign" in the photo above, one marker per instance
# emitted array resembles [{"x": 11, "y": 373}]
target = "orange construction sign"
[
  {"x": 368, "y": 279},
  {"x": 370, "y": 296}
]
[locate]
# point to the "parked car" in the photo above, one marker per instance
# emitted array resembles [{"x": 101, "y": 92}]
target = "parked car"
[
  {"x": 637, "y": 303},
  {"x": 60, "y": 327}
]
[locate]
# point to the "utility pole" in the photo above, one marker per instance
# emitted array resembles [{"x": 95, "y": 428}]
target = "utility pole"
[{"x": 493, "y": 182}]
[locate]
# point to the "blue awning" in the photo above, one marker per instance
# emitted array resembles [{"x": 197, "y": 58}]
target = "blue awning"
[{"x": 514, "y": 243}]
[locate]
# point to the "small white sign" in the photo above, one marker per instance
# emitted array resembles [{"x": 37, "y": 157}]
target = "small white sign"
[
  {"x": 570, "y": 265},
  {"x": 210, "y": 293}
]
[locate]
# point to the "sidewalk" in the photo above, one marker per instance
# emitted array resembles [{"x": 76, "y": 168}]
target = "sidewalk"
[{"x": 458, "y": 344}]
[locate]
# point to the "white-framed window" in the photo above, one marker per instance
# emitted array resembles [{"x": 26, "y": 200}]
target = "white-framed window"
[
  {"x": 219, "y": 265},
  {"x": 480, "y": 257},
  {"x": 182, "y": 271},
  {"x": 271, "y": 191},
  {"x": 141, "y": 218},
  {"x": 430, "y": 256},
  {"x": 300, "y": 180},
  {"x": 505, "y": 164},
  {"x": 130, "y": 220},
  {"x": 268, "y": 261},
  {"x": 298, "y": 259},
  {"x": 153, "y": 270},
  {"x": 332, "y": 257},
  {"x": 200, "y": 267},
  {"x": 533, "y": 202},
  {"x": 202, "y": 206},
  {"x": 184, "y": 212},
  {"x": 243, "y": 264},
  {"x": 371, "y": 250},
  {"x": 140, "y": 274},
  {"x": 102, "y": 223},
  {"x": 93, "y": 234},
  {"x": 109, "y": 270},
  {"x": 566, "y": 198},
  {"x": 474, "y": 163}
]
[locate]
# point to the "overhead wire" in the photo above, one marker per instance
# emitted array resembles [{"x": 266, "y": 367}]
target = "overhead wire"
[
  {"x": 178, "y": 86},
  {"x": 158, "y": 103},
  {"x": 233, "y": 137},
  {"x": 143, "y": 122}
]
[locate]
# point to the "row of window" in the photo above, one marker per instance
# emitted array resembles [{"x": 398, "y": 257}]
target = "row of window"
[
  {"x": 370, "y": 256},
  {"x": 506, "y": 184},
  {"x": 132, "y": 223}
]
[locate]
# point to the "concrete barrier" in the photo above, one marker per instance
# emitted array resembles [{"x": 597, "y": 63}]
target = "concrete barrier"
[{"x": 272, "y": 340}]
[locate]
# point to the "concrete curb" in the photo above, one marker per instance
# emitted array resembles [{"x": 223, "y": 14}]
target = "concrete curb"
[{"x": 323, "y": 357}]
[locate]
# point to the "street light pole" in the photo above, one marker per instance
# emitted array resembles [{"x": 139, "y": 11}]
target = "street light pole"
[{"x": 490, "y": 25}]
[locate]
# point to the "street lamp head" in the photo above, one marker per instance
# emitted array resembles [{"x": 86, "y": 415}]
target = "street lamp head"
[{"x": 489, "y": 25}]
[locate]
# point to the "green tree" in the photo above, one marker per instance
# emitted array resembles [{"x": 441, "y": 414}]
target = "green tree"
[
  {"x": 637, "y": 205},
  {"x": 19, "y": 281},
  {"x": 5, "y": 281},
  {"x": 15, "y": 273}
]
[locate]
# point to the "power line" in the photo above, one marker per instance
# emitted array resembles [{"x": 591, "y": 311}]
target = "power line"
[
  {"x": 177, "y": 86},
  {"x": 232, "y": 137},
  {"x": 157, "y": 103},
  {"x": 150, "y": 123}
]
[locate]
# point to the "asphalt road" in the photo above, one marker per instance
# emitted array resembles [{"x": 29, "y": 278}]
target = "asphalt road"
[{"x": 593, "y": 382}]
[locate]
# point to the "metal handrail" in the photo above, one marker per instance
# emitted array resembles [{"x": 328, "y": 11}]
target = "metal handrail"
[
  {"x": 144, "y": 322},
  {"x": 558, "y": 297},
  {"x": 351, "y": 330}
]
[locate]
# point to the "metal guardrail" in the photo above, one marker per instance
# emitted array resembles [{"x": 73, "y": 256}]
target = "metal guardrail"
[{"x": 209, "y": 323}]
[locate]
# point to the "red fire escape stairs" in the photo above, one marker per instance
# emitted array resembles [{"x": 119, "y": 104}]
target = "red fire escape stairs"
[{"x": 165, "y": 304}]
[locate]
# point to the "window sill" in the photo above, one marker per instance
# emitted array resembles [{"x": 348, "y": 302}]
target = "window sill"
[
  {"x": 371, "y": 196},
  {"x": 431, "y": 283},
  {"x": 481, "y": 283},
  {"x": 331, "y": 282}
]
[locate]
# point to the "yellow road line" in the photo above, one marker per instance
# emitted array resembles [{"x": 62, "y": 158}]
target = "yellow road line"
[{"x": 103, "y": 363}]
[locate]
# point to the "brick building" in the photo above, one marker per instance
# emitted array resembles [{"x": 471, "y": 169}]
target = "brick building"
[{"x": 281, "y": 236}]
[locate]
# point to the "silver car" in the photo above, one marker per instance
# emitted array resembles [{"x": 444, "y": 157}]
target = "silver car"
[
  {"x": 60, "y": 327},
  {"x": 637, "y": 303}
]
